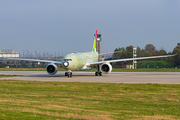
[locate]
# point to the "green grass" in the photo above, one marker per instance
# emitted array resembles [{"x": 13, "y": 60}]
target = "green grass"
[
  {"x": 152, "y": 64},
  {"x": 63, "y": 100},
  {"x": 22, "y": 69},
  {"x": 146, "y": 70},
  {"x": 1, "y": 76}
]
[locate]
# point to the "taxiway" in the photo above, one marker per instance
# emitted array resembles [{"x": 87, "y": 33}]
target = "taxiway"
[{"x": 113, "y": 77}]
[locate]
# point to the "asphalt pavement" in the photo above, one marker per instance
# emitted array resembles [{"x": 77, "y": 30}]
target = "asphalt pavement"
[{"x": 113, "y": 77}]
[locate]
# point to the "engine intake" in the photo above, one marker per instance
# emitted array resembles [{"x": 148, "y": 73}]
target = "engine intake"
[
  {"x": 106, "y": 68},
  {"x": 51, "y": 69}
]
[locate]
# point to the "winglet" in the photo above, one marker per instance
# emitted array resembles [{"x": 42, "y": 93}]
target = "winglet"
[{"x": 95, "y": 38}]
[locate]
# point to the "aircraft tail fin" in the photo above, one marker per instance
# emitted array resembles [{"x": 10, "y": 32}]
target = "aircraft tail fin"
[{"x": 95, "y": 39}]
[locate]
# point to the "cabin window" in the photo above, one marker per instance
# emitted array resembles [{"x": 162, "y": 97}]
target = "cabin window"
[{"x": 67, "y": 60}]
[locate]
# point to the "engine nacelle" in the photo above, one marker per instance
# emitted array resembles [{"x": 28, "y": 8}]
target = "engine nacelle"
[
  {"x": 51, "y": 69},
  {"x": 106, "y": 68}
]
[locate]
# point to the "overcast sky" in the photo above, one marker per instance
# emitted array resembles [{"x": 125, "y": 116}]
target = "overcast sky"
[{"x": 69, "y": 25}]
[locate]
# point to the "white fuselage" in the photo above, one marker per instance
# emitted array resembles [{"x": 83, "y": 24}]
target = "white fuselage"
[{"x": 76, "y": 61}]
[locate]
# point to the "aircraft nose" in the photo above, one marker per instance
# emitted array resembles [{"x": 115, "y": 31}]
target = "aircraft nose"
[{"x": 66, "y": 64}]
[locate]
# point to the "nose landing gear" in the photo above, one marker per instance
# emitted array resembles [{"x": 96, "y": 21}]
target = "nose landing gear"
[{"x": 69, "y": 74}]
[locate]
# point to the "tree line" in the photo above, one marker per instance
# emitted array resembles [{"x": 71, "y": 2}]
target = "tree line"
[{"x": 149, "y": 50}]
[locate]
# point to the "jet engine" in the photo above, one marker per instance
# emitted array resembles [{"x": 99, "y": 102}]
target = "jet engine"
[
  {"x": 51, "y": 69},
  {"x": 106, "y": 68}
]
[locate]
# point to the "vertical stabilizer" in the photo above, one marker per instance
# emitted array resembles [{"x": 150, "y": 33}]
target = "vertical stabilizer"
[{"x": 95, "y": 39}]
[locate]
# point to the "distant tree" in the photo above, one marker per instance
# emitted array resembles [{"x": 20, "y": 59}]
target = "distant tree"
[
  {"x": 8, "y": 62},
  {"x": 150, "y": 49},
  {"x": 170, "y": 61},
  {"x": 139, "y": 52},
  {"x": 117, "y": 53},
  {"x": 159, "y": 53},
  {"x": 177, "y": 57},
  {"x": 162, "y": 52},
  {"x": 123, "y": 53},
  {"x": 129, "y": 52}
]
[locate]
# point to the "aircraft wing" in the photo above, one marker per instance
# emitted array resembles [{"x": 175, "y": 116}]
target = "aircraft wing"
[
  {"x": 109, "y": 53},
  {"x": 35, "y": 60},
  {"x": 127, "y": 59}
]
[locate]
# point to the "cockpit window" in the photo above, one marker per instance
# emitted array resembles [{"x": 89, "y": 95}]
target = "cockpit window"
[{"x": 67, "y": 60}]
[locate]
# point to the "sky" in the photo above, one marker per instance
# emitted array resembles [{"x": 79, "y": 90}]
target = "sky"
[{"x": 67, "y": 26}]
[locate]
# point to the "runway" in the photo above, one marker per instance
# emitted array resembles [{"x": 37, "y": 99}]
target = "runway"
[{"x": 113, "y": 77}]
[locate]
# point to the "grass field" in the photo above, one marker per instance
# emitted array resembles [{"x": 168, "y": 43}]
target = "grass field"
[
  {"x": 152, "y": 64},
  {"x": 22, "y": 69},
  {"x": 63, "y": 100},
  {"x": 1, "y": 76},
  {"x": 146, "y": 70}
]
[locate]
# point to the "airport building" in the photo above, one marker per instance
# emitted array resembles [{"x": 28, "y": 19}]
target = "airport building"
[{"x": 8, "y": 53}]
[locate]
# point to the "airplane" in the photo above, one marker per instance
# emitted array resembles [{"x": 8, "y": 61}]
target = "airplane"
[{"x": 84, "y": 61}]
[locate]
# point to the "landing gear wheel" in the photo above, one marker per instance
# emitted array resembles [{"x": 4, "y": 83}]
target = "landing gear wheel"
[
  {"x": 66, "y": 74},
  {"x": 96, "y": 74},
  {"x": 70, "y": 74},
  {"x": 100, "y": 73}
]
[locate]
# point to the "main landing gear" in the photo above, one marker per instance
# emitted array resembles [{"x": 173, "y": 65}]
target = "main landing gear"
[
  {"x": 98, "y": 73},
  {"x": 69, "y": 74}
]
